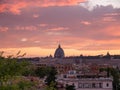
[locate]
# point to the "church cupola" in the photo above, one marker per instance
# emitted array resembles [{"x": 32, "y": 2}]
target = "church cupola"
[{"x": 59, "y": 52}]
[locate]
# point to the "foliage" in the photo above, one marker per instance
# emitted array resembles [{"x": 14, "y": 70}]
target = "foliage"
[
  {"x": 52, "y": 86},
  {"x": 29, "y": 71},
  {"x": 51, "y": 76},
  {"x": 115, "y": 73},
  {"x": 22, "y": 85},
  {"x": 9, "y": 87},
  {"x": 42, "y": 71},
  {"x": 11, "y": 69},
  {"x": 116, "y": 76},
  {"x": 25, "y": 85},
  {"x": 70, "y": 87}
]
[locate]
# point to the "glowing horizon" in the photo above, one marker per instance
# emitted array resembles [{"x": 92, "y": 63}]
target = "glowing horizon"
[{"x": 38, "y": 52}]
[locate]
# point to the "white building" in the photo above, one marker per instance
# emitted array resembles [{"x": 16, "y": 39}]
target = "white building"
[
  {"x": 101, "y": 83},
  {"x": 89, "y": 84}
]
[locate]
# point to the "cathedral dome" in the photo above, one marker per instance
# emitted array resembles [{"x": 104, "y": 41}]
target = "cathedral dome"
[{"x": 59, "y": 53}]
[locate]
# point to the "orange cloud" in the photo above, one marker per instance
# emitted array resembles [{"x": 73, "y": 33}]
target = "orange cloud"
[{"x": 15, "y": 6}]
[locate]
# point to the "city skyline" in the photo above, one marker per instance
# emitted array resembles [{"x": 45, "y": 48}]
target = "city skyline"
[{"x": 36, "y": 27}]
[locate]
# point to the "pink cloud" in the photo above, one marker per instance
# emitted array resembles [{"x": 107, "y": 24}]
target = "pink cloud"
[
  {"x": 12, "y": 7},
  {"x": 24, "y": 39},
  {"x": 85, "y": 23},
  {"x": 113, "y": 30},
  {"x": 3, "y": 29},
  {"x": 58, "y": 29},
  {"x": 26, "y": 28},
  {"x": 42, "y": 25},
  {"x": 109, "y": 19},
  {"x": 112, "y": 14},
  {"x": 15, "y": 6},
  {"x": 36, "y": 15}
]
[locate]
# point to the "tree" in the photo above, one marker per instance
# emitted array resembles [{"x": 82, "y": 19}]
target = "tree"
[
  {"x": 51, "y": 86},
  {"x": 70, "y": 87},
  {"x": 29, "y": 71},
  {"x": 42, "y": 71},
  {"x": 116, "y": 76},
  {"x": 115, "y": 73},
  {"x": 11, "y": 71},
  {"x": 51, "y": 76},
  {"x": 25, "y": 85}
]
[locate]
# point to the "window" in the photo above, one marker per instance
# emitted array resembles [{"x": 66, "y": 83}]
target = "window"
[
  {"x": 80, "y": 85},
  {"x": 107, "y": 85},
  {"x": 78, "y": 76},
  {"x": 93, "y": 85},
  {"x": 86, "y": 85},
  {"x": 100, "y": 85},
  {"x": 64, "y": 76}
]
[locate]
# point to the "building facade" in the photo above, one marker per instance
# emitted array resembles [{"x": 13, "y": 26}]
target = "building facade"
[{"x": 85, "y": 83}]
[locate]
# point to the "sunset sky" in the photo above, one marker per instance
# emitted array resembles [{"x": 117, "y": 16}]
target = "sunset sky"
[{"x": 36, "y": 27}]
